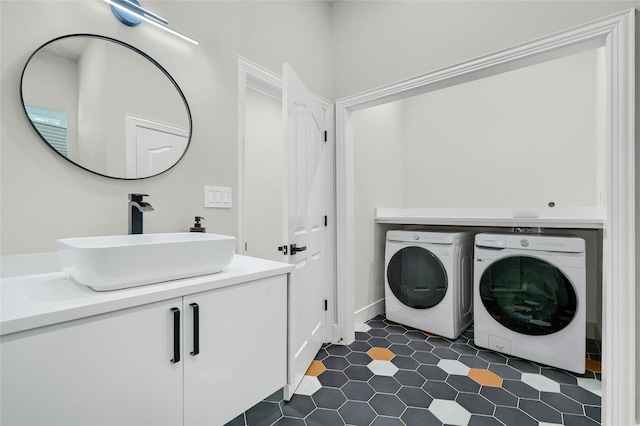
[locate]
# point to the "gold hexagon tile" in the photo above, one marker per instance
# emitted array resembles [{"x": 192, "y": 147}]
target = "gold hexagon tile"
[
  {"x": 315, "y": 369},
  {"x": 381, "y": 354},
  {"x": 485, "y": 377},
  {"x": 593, "y": 365}
]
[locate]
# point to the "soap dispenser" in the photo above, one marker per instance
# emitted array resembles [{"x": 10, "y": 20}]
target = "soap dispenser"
[{"x": 197, "y": 227}]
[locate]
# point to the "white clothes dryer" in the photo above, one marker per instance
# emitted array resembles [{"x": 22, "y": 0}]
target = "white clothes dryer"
[
  {"x": 530, "y": 298},
  {"x": 428, "y": 281}
]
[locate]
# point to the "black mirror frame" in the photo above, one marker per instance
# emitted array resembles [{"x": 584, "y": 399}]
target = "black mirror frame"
[{"x": 136, "y": 50}]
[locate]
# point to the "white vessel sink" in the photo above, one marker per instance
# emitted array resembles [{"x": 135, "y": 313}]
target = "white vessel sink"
[{"x": 122, "y": 261}]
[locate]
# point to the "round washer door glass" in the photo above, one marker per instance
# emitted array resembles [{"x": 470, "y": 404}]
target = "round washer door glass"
[
  {"x": 417, "y": 277},
  {"x": 528, "y": 295}
]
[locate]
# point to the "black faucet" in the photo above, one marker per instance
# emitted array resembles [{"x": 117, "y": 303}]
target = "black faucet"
[{"x": 136, "y": 208}]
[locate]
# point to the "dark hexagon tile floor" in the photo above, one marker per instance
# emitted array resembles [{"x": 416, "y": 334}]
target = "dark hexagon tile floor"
[{"x": 393, "y": 375}]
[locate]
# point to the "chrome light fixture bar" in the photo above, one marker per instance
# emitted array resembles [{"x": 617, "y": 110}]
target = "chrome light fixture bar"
[{"x": 129, "y": 7}]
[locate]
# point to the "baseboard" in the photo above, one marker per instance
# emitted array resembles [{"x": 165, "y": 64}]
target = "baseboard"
[{"x": 370, "y": 311}]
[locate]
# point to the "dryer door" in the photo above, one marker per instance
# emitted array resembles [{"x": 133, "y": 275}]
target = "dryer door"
[
  {"x": 417, "y": 278},
  {"x": 528, "y": 295}
]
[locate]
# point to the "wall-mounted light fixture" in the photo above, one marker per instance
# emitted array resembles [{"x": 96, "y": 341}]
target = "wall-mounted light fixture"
[{"x": 130, "y": 13}]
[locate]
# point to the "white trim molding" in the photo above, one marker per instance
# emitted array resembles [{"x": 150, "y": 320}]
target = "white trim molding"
[
  {"x": 368, "y": 312},
  {"x": 616, "y": 34}
]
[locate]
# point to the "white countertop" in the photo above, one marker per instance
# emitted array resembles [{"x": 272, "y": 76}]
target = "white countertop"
[
  {"x": 32, "y": 301},
  {"x": 548, "y": 217}
]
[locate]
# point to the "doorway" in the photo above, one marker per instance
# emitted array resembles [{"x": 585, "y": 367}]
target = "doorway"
[
  {"x": 616, "y": 34},
  {"x": 292, "y": 171},
  {"x": 263, "y": 174}
]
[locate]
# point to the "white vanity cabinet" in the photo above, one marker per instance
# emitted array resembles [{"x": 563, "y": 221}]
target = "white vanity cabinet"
[
  {"x": 116, "y": 368},
  {"x": 242, "y": 349},
  {"x": 111, "y": 369}
]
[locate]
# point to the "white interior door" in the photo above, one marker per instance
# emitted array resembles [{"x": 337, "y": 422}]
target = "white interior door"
[
  {"x": 152, "y": 147},
  {"x": 304, "y": 204}
]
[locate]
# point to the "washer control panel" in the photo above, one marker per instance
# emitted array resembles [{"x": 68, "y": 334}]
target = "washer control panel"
[{"x": 426, "y": 237}]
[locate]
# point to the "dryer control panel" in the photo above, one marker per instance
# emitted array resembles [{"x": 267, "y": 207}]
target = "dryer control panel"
[{"x": 562, "y": 244}]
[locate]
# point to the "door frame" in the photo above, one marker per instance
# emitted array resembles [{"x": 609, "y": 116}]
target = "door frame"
[
  {"x": 616, "y": 34},
  {"x": 256, "y": 77}
]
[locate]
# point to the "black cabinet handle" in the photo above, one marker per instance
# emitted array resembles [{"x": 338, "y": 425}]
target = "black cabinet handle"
[
  {"x": 196, "y": 328},
  {"x": 176, "y": 335}
]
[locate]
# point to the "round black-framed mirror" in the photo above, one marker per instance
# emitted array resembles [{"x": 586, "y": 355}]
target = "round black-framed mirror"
[{"x": 106, "y": 106}]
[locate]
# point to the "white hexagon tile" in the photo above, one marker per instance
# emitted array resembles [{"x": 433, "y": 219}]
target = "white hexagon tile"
[{"x": 393, "y": 375}]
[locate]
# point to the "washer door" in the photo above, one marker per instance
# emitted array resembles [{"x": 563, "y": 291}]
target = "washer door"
[
  {"x": 417, "y": 278},
  {"x": 528, "y": 295}
]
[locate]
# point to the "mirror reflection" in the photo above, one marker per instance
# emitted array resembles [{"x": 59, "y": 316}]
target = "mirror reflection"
[{"x": 106, "y": 106}]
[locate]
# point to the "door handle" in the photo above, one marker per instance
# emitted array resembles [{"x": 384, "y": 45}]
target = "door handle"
[
  {"x": 176, "y": 335},
  {"x": 196, "y": 328},
  {"x": 295, "y": 249}
]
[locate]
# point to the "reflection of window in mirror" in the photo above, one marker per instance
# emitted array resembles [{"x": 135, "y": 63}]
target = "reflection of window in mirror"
[{"x": 52, "y": 125}]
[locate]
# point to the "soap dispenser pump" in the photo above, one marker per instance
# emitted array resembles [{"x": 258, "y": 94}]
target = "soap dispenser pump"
[{"x": 197, "y": 227}]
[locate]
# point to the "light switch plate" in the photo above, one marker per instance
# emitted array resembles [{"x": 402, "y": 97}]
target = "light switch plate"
[{"x": 218, "y": 197}]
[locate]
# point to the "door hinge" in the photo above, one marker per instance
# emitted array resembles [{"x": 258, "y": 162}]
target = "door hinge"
[
  {"x": 325, "y": 221},
  {"x": 325, "y": 135},
  {"x": 245, "y": 246},
  {"x": 326, "y": 305},
  {"x": 284, "y": 249}
]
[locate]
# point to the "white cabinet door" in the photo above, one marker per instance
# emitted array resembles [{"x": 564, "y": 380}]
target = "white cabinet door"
[
  {"x": 111, "y": 369},
  {"x": 242, "y": 349}
]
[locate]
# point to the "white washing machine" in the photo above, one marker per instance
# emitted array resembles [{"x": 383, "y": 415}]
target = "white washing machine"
[
  {"x": 530, "y": 298},
  {"x": 428, "y": 281}
]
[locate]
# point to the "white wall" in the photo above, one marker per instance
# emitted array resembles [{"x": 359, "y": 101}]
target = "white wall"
[
  {"x": 518, "y": 139},
  {"x": 338, "y": 49},
  {"x": 378, "y": 180},
  {"x": 379, "y": 42},
  {"x": 418, "y": 37},
  {"x": 45, "y": 198}
]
